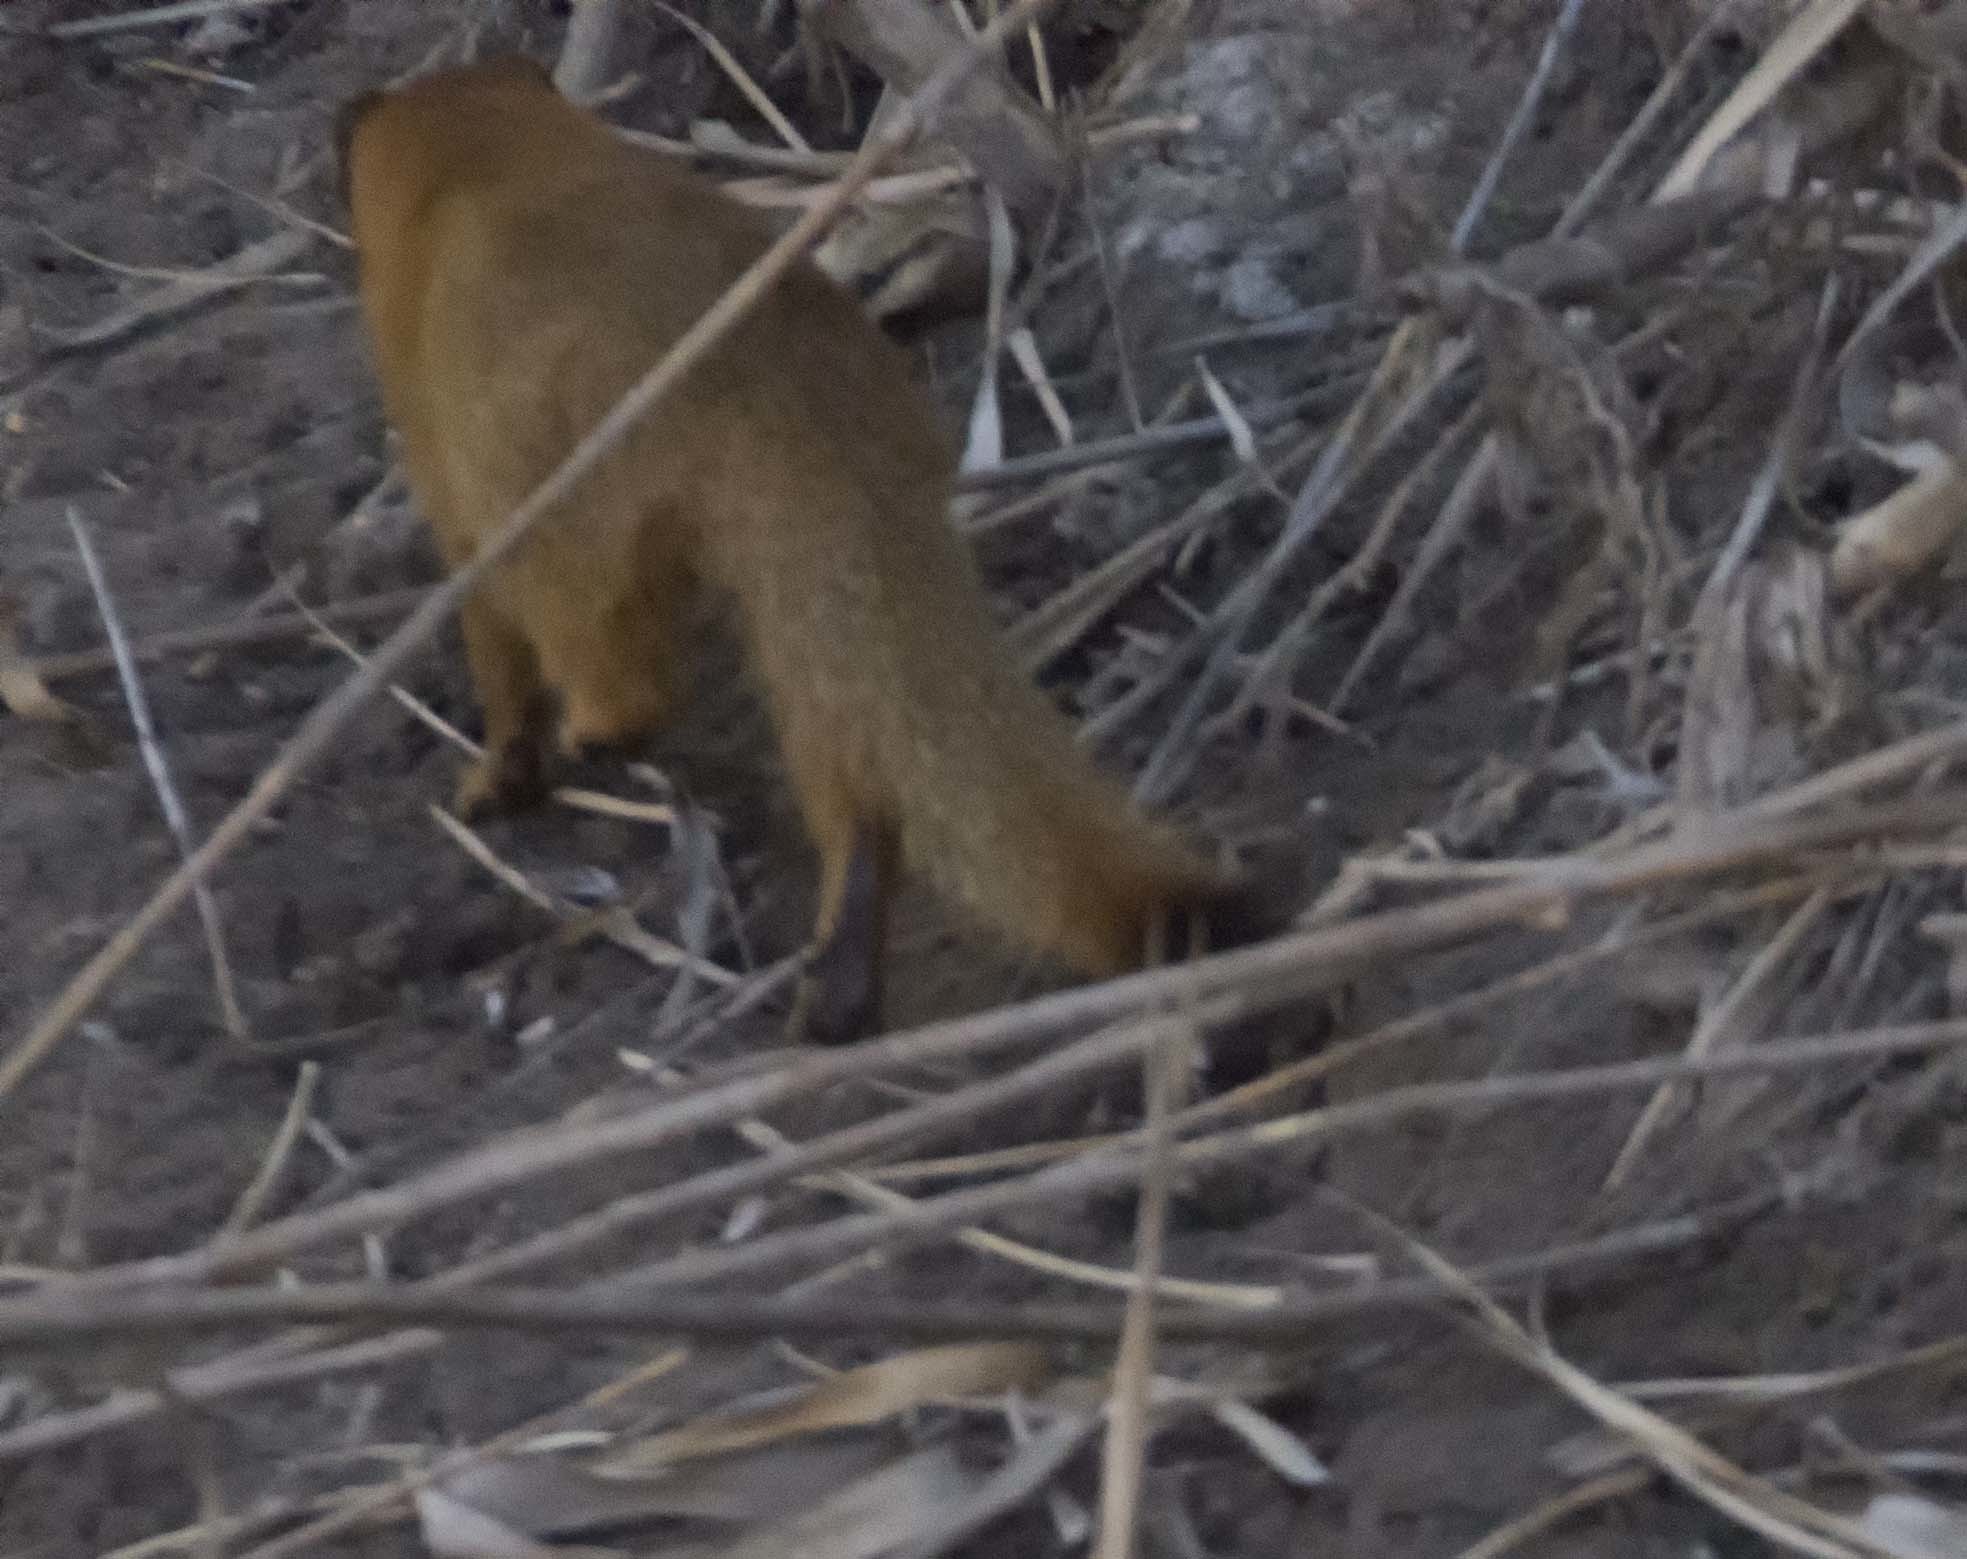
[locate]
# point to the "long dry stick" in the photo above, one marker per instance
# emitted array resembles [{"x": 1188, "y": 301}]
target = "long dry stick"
[
  {"x": 312, "y": 740},
  {"x": 636, "y": 1214},
  {"x": 1296, "y": 1075},
  {"x": 1112, "y": 1167},
  {"x": 254, "y": 630},
  {"x": 276, "y": 1363},
  {"x": 69, "y": 1318},
  {"x": 254, "y": 1369}
]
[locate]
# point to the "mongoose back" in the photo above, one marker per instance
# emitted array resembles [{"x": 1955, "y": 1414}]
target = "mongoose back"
[{"x": 521, "y": 265}]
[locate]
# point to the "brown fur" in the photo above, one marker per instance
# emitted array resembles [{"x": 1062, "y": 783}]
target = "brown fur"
[{"x": 521, "y": 266}]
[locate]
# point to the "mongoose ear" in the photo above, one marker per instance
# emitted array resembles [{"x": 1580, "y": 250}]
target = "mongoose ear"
[{"x": 347, "y": 122}]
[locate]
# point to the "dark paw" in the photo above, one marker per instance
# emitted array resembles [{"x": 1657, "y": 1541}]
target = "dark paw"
[
  {"x": 508, "y": 781},
  {"x": 1245, "y": 1051},
  {"x": 830, "y": 1009}
]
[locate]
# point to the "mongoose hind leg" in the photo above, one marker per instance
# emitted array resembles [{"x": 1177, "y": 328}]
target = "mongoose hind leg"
[
  {"x": 615, "y": 670},
  {"x": 839, "y": 997},
  {"x": 511, "y": 771}
]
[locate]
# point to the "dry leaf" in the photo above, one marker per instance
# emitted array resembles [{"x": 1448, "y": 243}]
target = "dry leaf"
[
  {"x": 1897, "y": 537},
  {"x": 858, "y": 1396},
  {"x": 456, "y": 1531},
  {"x": 1038, "y": 1459},
  {"x": 1279, "y": 1450},
  {"x": 553, "y": 1497},
  {"x": 876, "y": 1515},
  {"x": 26, "y": 695},
  {"x": 915, "y": 255},
  {"x": 1768, "y": 668}
]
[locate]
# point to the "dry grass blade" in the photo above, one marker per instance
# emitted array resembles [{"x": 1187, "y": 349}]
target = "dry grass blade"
[
  {"x": 258, "y": 1369},
  {"x": 983, "y": 446},
  {"x": 1554, "y": 1512},
  {"x": 1277, "y": 666},
  {"x": 158, "y": 767},
  {"x": 1023, "y": 347},
  {"x": 453, "y": 1530},
  {"x": 1116, "y": 317},
  {"x": 1048, "y": 630},
  {"x": 525, "y": 1155},
  {"x": 71, "y": 1317},
  {"x": 1561, "y": 28},
  {"x": 317, "y": 732},
  {"x": 1441, "y": 1017},
  {"x": 1919, "y": 268},
  {"x": 252, "y": 1201},
  {"x": 1939, "y": 1357},
  {"x": 1581, "y": 205},
  {"x": 1782, "y": 449},
  {"x": 1450, "y": 525},
  {"x": 1722, "y": 1026},
  {"x": 1275, "y": 1446},
  {"x": 869, "y": 1193}
]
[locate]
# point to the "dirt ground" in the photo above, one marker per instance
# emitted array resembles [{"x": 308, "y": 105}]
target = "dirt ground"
[{"x": 1812, "y": 1222}]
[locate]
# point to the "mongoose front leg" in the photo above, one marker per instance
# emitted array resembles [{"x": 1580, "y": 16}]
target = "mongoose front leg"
[{"x": 510, "y": 773}]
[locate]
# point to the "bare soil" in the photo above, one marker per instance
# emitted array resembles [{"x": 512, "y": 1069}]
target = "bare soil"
[{"x": 210, "y": 452}]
